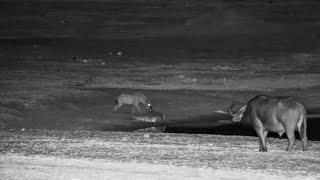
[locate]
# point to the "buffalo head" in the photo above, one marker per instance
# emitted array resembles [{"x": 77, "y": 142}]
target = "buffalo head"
[{"x": 236, "y": 117}]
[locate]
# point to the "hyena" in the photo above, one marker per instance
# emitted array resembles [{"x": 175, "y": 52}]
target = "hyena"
[{"x": 133, "y": 99}]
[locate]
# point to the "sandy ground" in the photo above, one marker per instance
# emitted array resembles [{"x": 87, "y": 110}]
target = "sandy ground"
[
  {"x": 21, "y": 167},
  {"x": 45, "y": 154}
]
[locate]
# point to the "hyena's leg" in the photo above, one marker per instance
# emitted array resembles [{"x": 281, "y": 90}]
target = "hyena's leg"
[
  {"x": 117, "y": 106},
  {"x": 137, "y": 106}
]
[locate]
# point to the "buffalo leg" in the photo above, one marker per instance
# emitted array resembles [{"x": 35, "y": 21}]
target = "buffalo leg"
[
  {"x": 291, "y": 139},
  {"x": 260, "y": 145},
  {"x": 262, "y": 140},
  {"x": 303, "y": 135},
  {"x": 304, "y": 140}
]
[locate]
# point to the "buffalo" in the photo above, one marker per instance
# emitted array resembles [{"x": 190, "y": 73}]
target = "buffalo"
[{"x": 274, "y": 114}]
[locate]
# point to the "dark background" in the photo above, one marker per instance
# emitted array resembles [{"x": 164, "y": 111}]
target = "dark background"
[{"x": 43, "y": 41}]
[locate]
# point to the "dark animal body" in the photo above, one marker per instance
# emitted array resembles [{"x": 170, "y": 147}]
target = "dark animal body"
[
  {"x": 151, "y": 116},
  {"x": 274, "y": 114}
]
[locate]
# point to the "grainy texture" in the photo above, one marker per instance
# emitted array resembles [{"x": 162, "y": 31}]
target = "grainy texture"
[
  {"x": 237, "y": 154},
  {"x": 63, "y": 62}
]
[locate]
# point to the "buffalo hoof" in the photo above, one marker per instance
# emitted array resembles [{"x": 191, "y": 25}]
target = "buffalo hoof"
[{"x": 263, "y": 150}]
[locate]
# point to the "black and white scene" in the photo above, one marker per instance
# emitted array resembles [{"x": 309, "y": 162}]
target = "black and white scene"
[{"x": 159, "y": 89}]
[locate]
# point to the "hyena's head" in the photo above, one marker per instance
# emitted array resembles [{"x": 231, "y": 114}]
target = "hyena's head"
[{"x": 149, "y": 107}]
